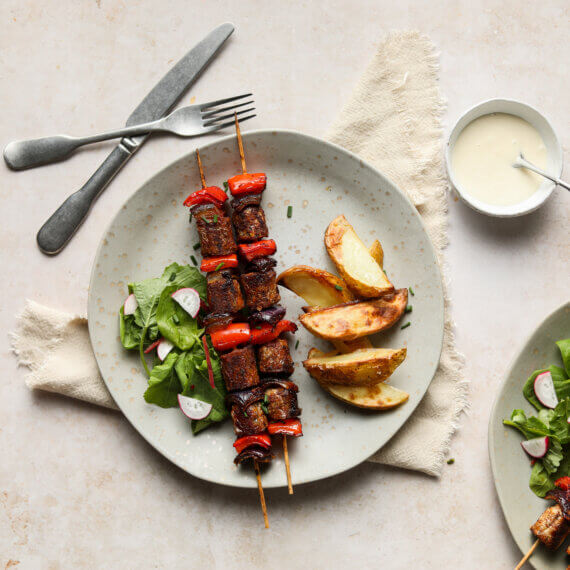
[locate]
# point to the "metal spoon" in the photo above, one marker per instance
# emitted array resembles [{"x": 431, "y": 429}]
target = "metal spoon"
[{"x": 521, "y": 162}]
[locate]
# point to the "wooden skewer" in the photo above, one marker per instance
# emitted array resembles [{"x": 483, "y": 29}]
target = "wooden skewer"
[
  {"x": 240, "y": 145},
  {"x": 261, "y": 493},
  {"x": 202, "y": 177},
  {"x": 527, "y": 555},
  {"x": 287, "y": 466}
]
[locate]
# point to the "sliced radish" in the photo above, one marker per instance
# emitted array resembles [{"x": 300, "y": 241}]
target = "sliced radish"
[
  {"x": 163, "y": 348},
  {"x": 544, "y": 390},
  {"x": 194, "y": 409},
  {"x": 130, "y": 305},
  {"x": 536, "y": 447},
  {"x": 188, "y": 299}
]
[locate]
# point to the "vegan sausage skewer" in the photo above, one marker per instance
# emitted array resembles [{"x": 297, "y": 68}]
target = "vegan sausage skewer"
[{"x": 274, "y": 358}]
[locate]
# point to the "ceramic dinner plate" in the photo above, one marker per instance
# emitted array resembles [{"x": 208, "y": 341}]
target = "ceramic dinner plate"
[
  {"x": 511, "y": 469},
  {"x": 320, "y": 181}
]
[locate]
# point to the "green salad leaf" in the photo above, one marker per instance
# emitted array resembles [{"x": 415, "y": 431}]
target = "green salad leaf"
[
  {"x": 174, "y": 323},
  {"x": 564, "y": 346},
  {"x": 548, "y": 423},
  {"x": 185, "y": 369}
]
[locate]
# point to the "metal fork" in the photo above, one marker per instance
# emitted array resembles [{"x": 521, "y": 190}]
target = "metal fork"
[
  {"x": 191, "y": 121},
  {"x": 522, "y": 162}
]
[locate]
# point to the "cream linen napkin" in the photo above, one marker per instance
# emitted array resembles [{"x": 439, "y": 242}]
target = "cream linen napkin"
[{"x": 393, "y": 122}]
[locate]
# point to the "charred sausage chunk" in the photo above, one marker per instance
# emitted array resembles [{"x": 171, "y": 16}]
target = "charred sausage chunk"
[
  {"x": 249, "y": 420},
  {"x": 239, "y": 368},
  {"x": 215, "y": 231},
  {"x": 249, "y": 224},
  {"x": 224, "y": 292},
  {"x": 260, "y": 289},
  {"x": 274, "y": 358},
  {"x": 281, "y": 404}
]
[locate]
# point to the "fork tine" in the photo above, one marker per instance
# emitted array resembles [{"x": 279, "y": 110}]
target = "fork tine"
[
  {"x": 217, "y": 119},
  {"x": 228, "y": 124},
  {"x": 225, "y": 109},
  {"x": 222, "y": 101}
]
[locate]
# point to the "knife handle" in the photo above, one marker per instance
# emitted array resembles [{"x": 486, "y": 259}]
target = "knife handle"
[{"x": 64, "y": 222}]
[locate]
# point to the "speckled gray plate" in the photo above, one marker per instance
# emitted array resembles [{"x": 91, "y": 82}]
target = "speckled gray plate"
[
  {"x": 320, "y": 181},
  {"x": 511, "y": 469}
]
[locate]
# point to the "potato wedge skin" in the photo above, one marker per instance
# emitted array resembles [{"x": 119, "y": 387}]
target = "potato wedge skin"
[
  {"x": 356, "y": 319},
  {"x": 377, "y": 252},
  {"x": 363, "y": 367},
  {"x": 316, "y": 286},
  {"x": 378, "y": 397},
  {"x": 338, "y": 234}
]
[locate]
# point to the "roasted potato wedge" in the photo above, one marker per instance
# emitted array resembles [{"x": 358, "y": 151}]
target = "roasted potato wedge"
[
  {"x": 381, "y": 396},
  {"x": 356, "y": 319},
  {"x": 363, "y": 367},
  {"x": 344, "y": 346},
  {"x": 377, "y": 253},
  {"x": 316, "y": 286},
  {"x": 355, "y": 264}
]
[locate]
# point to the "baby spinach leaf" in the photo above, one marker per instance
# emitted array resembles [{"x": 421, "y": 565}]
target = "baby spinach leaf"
[
  {"x": 174, "y": 323},
  {"x": 564, "y": 346},
  {"x": 163, "y": 384},
  {"x": 129, "y": 331}
]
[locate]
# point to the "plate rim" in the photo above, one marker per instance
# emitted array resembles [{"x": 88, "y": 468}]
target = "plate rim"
[
  {"x": 490, "y": 434},
  {"x": 313, "y": 140}
]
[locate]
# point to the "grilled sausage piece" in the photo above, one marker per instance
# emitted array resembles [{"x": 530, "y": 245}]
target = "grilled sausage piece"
[
  {"x": 274, "y": 358},
  {"x": 281, "y": 404},
  {"x": 260, "y": 289},
  {"x": 215, "y": 231},
  {"x": 239, "y": 369},
  {"x": 224, "y": 292},
  {"x": 551, "y": 528},
  {"x": 249, "y": 420},
  {"x": 249, "y": 224}
]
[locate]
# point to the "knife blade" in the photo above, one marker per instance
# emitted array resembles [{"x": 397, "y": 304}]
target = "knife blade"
[{"x": 55, "y": 234}]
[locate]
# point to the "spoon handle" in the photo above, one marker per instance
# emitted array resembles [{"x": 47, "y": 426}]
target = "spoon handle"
[{"x": 526, "y": 164}]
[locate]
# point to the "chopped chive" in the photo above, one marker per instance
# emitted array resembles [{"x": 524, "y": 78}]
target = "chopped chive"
[
  {"x": 245, "y": 414},
  {"x": 172, "y": 277},
  {"x": 451, "y": 461},
  {"x": 408, "y": 309},
  {"x": 411, "y": 290},
  {"x": 176, "y": 319},
  {"x": 289, "y": 211},
  {"x": 405, "y": 326},
  {"x": 226, "y": 187},
  {"x": 219, "y": 266},
  {"x": 193, "y": 260},
  {"x": 258, "y": 327},
  {"x": 265, "y": 399},
  {"x": 338, "y": 287},
  {"x": 190, "y": 218},
  {"x": 296, "y": 345},
  {"x": 264, "y": 408},
  {"x": 216, "y": 219},
  {"x": 196, "y": 246}
]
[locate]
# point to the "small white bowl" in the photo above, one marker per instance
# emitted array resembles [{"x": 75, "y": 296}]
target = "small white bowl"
[{"x": 553, "y": 149}]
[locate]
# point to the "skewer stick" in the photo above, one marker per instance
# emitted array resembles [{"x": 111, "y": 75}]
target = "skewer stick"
[
  {"x": 287, "y": 466},
  {"x": 202, "y": 177},
  {"x": 240, "y": 146},
  {"x": 527, "y": 555},
  {"x": 261, "y": 493}
]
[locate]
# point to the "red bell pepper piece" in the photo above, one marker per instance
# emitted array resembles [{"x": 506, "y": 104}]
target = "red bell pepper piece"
[
  {"x": 210, "y": 264},
  {"x": 247, "y": 183},
  {"x": 208, "y": 362},
  {"x": 230, "y": 336},
  {"x": 287, "y": 427},
  {"x": 244, "y": 442},
  {"x": 266, "y": 332},
  {"x": 210, "y": 195},
  {"x": 153, "y": 346},
  {"x": 251, "y": 251},
  {"x": 563, "y": 483}
]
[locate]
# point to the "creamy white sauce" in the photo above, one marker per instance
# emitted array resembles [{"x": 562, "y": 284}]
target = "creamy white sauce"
[{"x": 483, "y": 155}]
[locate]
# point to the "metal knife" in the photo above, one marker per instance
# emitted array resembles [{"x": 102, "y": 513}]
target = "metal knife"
[{"x": 59, "y": 229}]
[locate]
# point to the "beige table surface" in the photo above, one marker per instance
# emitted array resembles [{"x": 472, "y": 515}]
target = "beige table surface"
[{"x": 78, "y": 487}]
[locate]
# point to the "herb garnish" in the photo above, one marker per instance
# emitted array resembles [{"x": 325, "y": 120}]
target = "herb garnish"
[
  {"x": 219, "y": 266},
  {"x": 408, "y": 309},
  {"x": 411, "y": 290},
  {"x": 297, "y": 345},
  {"x": 226, "y": 186},
  {"x": 451, "y": 461},
  {"x": 289, "y": 211},
  {"x": 406, "y": 325},
  {"x": 196, "y": 246},
  {"x": 338, "y": 287},
  {"x": 193, "y": 260}
]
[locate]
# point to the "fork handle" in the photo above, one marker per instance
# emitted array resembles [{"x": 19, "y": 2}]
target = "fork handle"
[
  {"x": 64, "y": 222},
  {"x": 35, "y": 152}
]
